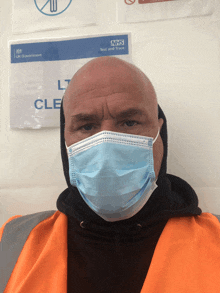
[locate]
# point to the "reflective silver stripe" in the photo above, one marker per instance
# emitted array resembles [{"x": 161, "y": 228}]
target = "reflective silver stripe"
[{"x": 13, "y": 239}]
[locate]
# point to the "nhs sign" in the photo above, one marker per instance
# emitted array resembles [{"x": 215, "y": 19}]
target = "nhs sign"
[{"x": 120, "y": 42}]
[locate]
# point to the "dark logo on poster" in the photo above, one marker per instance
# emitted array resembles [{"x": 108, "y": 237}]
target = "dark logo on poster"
[
  {"x": 52, "y": 7},
  {"x": 152, "y": 1},
  {"x": 129, "y": 2}
]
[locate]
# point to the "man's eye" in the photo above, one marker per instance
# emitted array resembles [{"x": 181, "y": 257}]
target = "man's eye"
[
  {"x": 130, "y": 123},
  {"x": 87, "y": 127}
]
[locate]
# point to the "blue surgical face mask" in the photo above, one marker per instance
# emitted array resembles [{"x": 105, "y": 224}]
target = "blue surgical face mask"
[{"x": 114, "y": 173}]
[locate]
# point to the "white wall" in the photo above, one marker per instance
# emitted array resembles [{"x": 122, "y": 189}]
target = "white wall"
[{"x": 180, "y": 56}]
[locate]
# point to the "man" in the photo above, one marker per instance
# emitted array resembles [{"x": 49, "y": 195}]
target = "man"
[{"x": 123, "y": 224}]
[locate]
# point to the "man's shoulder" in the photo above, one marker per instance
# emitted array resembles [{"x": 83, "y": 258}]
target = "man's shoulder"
[
  {"x": 217, "y": 216},
  {"x": 9, "y": 220},
  {"x": 211, "y": 216},
  {"x": 18, "y": 225},
  {"x": 14, "y": 234}
]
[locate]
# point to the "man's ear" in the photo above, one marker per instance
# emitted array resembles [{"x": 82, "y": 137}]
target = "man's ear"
[{"x": 160, "y": 122}]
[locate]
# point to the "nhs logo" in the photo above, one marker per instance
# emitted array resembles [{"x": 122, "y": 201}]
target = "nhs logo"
[{"x": 120, "y": 42}]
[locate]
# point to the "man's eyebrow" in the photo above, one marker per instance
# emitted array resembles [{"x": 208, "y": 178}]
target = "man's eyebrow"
[
  {"x": 85, "y": 117},
  {"x": 129, "y": 113}
]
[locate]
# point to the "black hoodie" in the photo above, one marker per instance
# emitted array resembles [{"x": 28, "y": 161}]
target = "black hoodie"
[{"x": 115, "y": 256}]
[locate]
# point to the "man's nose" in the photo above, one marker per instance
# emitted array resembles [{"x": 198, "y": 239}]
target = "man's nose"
[{"x": 109, "y": 125}]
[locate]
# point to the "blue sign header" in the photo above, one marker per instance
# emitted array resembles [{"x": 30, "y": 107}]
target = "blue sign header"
[{"x": 70, "y": 49}]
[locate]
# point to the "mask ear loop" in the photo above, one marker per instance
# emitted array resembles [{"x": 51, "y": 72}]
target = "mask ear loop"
[
  {"x": 153, "y": 143},
  {"x": 156, "y": 136}
]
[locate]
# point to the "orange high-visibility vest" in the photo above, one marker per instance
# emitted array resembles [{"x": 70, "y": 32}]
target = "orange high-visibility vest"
[{"x": 186, "y": 258}]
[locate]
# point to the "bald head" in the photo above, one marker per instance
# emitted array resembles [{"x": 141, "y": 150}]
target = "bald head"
[
  {"x": 102, "y": 72},
  {"x": 110, "y": 94}
]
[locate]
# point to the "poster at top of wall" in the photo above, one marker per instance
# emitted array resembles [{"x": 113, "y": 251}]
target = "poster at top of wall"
[
  {"x": 40, "y": 15},
  {"x": 42, "y": 69},
  {"x": 151, "y": 10}
]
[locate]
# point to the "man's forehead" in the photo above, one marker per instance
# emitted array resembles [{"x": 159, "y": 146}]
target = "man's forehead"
[
  {"x": 103, "y": 90},
  {"x": 100, "y": 79},
  {"x": 102, "y": 76}
]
